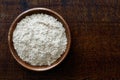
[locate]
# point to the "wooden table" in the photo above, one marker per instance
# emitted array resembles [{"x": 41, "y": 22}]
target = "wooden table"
[{"x": 95, "y": 49}]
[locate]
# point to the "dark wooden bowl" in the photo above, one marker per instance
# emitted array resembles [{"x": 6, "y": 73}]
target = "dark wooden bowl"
[{"x": 30, "y": 12}]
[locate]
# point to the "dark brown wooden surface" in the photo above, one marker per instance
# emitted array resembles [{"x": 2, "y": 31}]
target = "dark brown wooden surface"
[{"x": 95, "y": 49}]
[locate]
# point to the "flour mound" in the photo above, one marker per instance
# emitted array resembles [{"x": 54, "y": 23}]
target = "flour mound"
[{"x": 39, "y": 39}]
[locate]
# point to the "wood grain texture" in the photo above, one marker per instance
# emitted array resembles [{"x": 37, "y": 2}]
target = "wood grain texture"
[{"x": 95, "y": 49}]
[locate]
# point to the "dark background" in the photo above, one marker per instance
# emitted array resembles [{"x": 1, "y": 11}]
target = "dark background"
[{"x": 95, "y": 31}]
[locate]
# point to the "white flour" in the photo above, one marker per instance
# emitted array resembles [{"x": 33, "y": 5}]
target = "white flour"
[{"x": 39, "y": 39}]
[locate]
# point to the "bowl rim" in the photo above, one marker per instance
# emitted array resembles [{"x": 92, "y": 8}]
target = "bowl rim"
[{"x": 10, "y": 40}]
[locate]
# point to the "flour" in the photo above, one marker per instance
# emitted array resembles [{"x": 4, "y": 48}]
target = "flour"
[{"x": 39, "y": 39}]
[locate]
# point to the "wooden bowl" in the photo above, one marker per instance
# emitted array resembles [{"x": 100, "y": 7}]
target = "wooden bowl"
[{"x": 30, "y": 12}]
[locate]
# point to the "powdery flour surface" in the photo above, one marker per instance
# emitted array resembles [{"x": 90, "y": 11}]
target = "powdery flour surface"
[{"x": 39, "y": 39}]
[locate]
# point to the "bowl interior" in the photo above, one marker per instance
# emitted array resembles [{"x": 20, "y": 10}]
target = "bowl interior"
[{"x": 30, "y": 12}]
